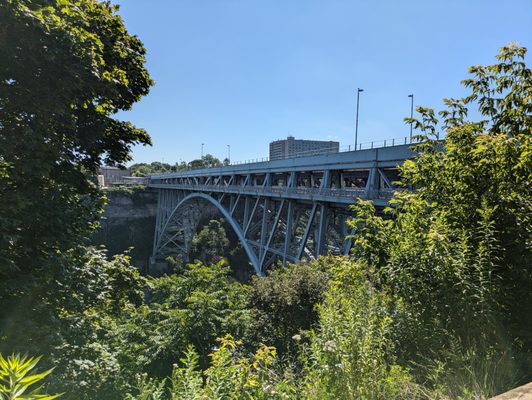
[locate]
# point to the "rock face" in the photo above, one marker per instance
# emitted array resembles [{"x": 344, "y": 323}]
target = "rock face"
[{"x": 128, "y": 221}]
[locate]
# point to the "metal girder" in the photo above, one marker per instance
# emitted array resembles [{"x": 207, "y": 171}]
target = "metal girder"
[
  {"x": 265, "y": 218},
  {"x": 307, "y": 232},
  {"x": 385, "y": 179},
  {"x": 289, "y": 230},
  {"x": 248, "y": 223},
  {"x": 175, "y": 215},
  {"x": 235, "y": 203},
  {"x": 272, "y": 232},
  {"x": 277, "y": 208},
  {"x": 322, "y": 227}
]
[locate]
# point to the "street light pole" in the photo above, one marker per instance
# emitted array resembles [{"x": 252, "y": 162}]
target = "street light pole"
[
  {"x": 411, "y": 113},
  {"x": 229, "y": 153},
  {"x": 203, "y": 144},
  {"x": 356, "y": 123}
]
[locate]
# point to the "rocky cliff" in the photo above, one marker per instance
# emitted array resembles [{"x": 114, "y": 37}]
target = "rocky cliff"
[{"x": 128, "y": 221}]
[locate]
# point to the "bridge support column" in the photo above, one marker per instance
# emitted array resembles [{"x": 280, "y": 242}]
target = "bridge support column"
[
  {"x": 272, "y": 233},
  {"x": 288, "y": 230},
  {"x": 264, "y": 227},
  {"x": 322, "y": 228},
  {"x": 308, "y": 228},
  {"x": 372, "y": 185}
]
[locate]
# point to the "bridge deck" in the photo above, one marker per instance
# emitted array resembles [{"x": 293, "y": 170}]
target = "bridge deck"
[
  {"x": 329, "y": 195},
  {"x": 385, "y": 157}
]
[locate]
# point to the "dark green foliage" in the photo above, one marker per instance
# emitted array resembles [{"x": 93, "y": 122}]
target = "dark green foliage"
[
  {"x": 216, "y": 240},
  {"x": 207, "y": 161},
  {"x": 210, "y": 243},
  {"x": 65, "y": 69},
  {"x": 100, "y": 323},
  {"x": 193, "y": 307},
  {"x": 156, "y": 167},
  {"x": 283, "y": 303},
  {"x": 71, "y": 316}
]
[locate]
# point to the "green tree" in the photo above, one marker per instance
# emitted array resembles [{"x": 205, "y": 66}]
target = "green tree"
[
  {"x": 156, "y": 167},
  {"x": 180, "y": 166},
  {"x": 141, "y": 169},
  {"x": 66, "y": 67},
  {"x": 207, "y": 161},
  {"x": 210, "y": 244},
  {"x": 457, "y": 251},
  {"x": 160, "y": 167}
]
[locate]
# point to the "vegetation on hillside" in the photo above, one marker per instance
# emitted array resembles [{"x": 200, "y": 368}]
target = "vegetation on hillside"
[{"x": 434, "y": 301}]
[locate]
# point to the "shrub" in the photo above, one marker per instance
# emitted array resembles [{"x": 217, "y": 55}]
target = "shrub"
[
  {"x": 283, "y": 303},
  {"x": 351, "y": 354}
]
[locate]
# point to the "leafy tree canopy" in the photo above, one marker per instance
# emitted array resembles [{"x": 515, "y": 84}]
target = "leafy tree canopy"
[
  {"x": 156, "y": 167},
  {"x": 66, "y": 67}
]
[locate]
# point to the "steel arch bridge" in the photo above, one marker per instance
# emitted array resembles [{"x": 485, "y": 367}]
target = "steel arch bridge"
[{"x": 283, "y": 210}]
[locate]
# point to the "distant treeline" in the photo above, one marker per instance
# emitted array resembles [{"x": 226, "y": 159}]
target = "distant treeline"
[{"x": 156, "y": 167}]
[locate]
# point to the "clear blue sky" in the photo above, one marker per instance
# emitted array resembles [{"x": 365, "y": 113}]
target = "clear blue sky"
[{"x": 246, "y": 72}]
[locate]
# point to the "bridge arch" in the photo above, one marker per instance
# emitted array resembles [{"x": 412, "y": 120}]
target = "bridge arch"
[{"x": 228, "y": 217}]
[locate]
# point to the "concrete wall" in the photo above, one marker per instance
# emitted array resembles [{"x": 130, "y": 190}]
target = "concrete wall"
[{"x": 129, "y": 221}]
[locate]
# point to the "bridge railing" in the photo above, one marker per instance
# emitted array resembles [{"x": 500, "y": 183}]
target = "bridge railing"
[
  {"x": 374, "y": 144},
  {"x": 284, "y": 190}
]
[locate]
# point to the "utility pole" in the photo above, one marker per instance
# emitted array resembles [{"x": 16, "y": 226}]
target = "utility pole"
[
  {"x": 411, "y": 113},
  {"x": 203, "y": 144},
  {"x": 356, "y": 123},
  {"x": 229, "y": 153}
]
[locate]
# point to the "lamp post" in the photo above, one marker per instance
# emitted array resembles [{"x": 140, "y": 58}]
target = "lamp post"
[
  {"x": 203, "y": 144},
  {"x": 229, "y": 153},
  {"x": 411, "y": 113},
  {"x": 356, "y": 123}
]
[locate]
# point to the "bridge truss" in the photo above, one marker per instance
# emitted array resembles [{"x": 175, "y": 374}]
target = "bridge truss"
[{"x": 286, "y": 210}]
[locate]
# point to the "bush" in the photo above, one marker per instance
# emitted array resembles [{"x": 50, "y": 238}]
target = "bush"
[
  {"x": 193, "y": 307},
  {"x": 230, "y": 375},
  {"x": 283, "y": 303},
  {"x": 351, "y": 354}
]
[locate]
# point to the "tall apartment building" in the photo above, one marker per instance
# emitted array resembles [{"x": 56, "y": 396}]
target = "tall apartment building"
[{"x": 290, "y": 147}]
